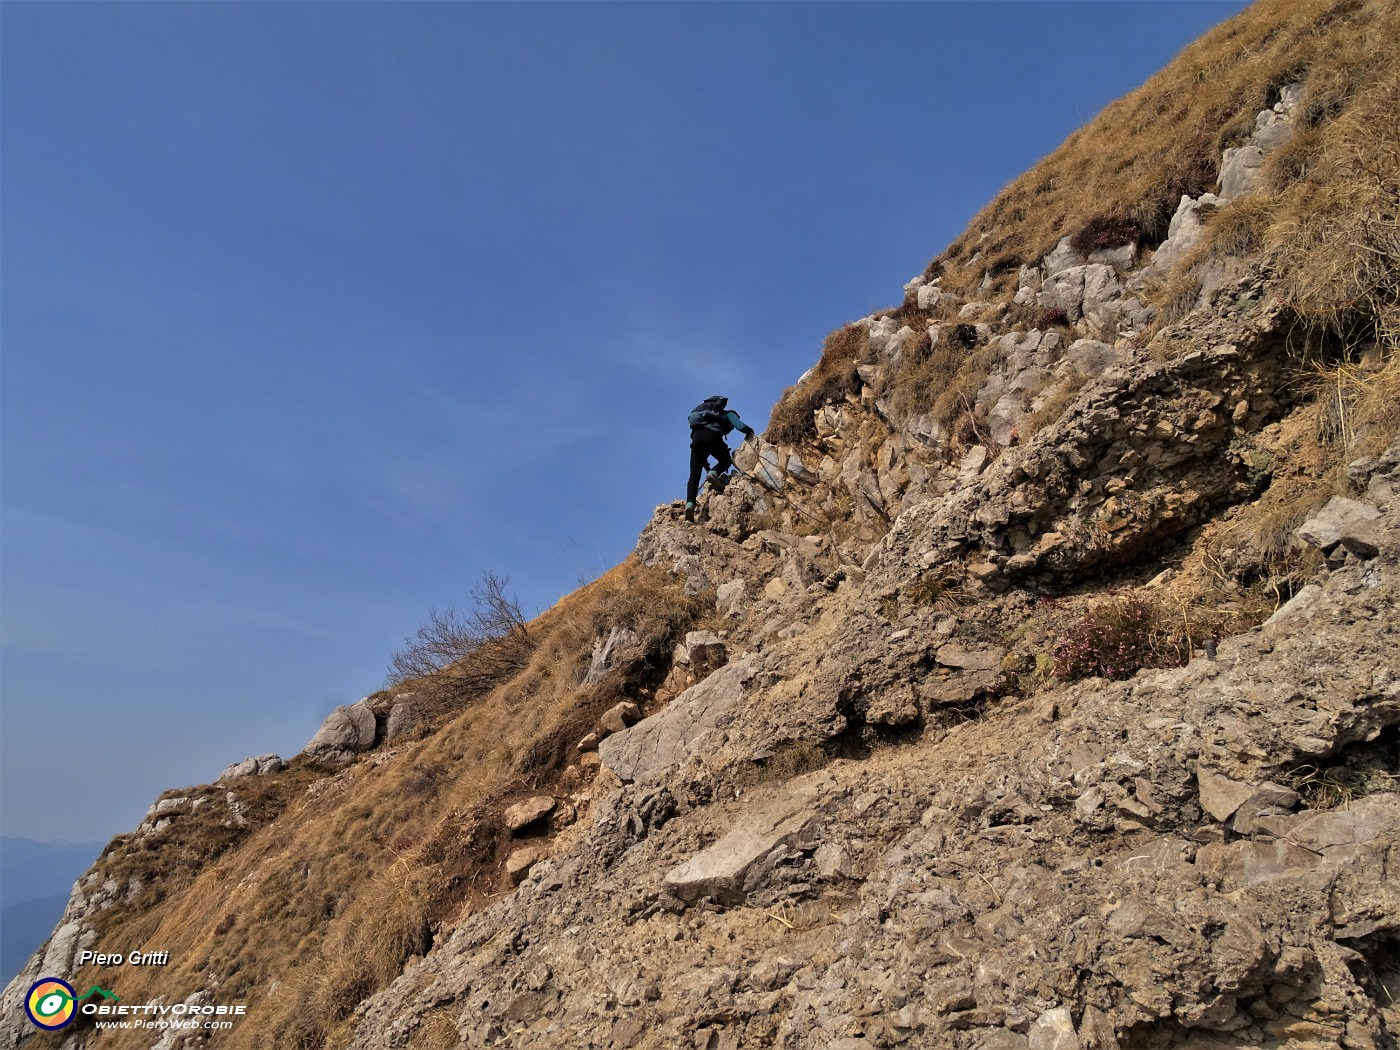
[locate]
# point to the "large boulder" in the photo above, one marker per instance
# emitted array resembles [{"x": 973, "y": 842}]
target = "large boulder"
[
  {"x": 1089, "y": 357},
  {"x": 735, "y": 864},
  {"x": 1346, "y": 522},
  {"x": 346, "y": 731},
  {"x": 702, "y": 651},
  {"x": 1240, "y": 168},
  {"x": 1005, "y": 418},
  {"x": 618, "y": 717},
  {"x": 1312, "y": 846},
  {"x": 528, "y": 811},
  {"x": 650, "y": 749},
  {"x": 402, "y": 719},
  {"x": 1092, "y": 288},
  {"x": 1028, "y": 284},
  {"x": 1064, "y": 256}
]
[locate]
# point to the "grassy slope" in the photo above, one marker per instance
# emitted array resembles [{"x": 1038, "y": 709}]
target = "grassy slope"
[
  {"x": 346, "y": 875},
  {"x": 1327, "y": 215}
]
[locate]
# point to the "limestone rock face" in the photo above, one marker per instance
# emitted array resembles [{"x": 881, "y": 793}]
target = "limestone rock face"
[
  {"x": 955, "y": 655},
  {"x": 652, "y": 748},
  {"x": 618, "y": 717},
  {"x": 519, "y": 863},
  {"x": 1187, "y": 227},
  {"x": 403, "y": 719},
  {"x": 606, "y": 651},
  {"x": 253, "y": 767},
  {"x": 1240, "y": 170},
  {"x": 1155, "y": 829},
  {"x": 1079, "y": 290},
  {"x": 702, "y": 651},
  {"x": 1151, "y": 829},
  {"x": 1064, "y": 257}
]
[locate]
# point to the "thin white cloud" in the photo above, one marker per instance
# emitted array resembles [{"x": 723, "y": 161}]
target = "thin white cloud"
[{"x": 690, "y": 359}]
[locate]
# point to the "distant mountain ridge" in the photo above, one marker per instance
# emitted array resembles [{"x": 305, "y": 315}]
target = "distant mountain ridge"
[
  {"x": 35, "y": 881},
  {"x": 24, "y": 927}
]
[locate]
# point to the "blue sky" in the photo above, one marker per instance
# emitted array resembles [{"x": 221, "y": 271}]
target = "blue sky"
[{"x": 314, "y": 312}]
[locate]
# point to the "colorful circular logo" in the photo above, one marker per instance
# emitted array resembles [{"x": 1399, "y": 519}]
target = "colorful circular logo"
[{"x": 50, "y": 1003}]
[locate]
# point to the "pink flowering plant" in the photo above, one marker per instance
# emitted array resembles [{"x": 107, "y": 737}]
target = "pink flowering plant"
[{"x": 1117, "y": 639}]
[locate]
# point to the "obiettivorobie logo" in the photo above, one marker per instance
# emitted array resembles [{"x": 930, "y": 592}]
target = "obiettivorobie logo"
[{"x": 52, "y": 1004}]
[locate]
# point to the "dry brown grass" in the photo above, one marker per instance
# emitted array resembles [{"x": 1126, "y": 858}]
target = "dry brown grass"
[
  {"x": 1327, "y": 214},
  {"x": 925, "y": 371},
  {"x": 340, "y": 879},
  {"x": 438, "y": 1030},
  {"x": 942, "y": 381},
  {"x": 1164, "y": 139},
  {"x": 1240, "y": 227},
  {"x": 833, "y": 378},
  {"x": 1055, "y": 405},
  {"x": 955, "y": 404},
  {"x": 1358, "y": 405},
  {"x": 790, "y": 759},
  {"x": 1266, "y": 533},
  {"x": 1292, "y": 162},
  {"x": 1338, "y": 244}
]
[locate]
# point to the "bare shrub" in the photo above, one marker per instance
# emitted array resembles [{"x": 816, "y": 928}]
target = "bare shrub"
[{"x": 456, "y": 656}]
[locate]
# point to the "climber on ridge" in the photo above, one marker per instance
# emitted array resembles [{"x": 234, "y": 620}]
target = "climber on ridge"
[{"x": 710, "y": 421}]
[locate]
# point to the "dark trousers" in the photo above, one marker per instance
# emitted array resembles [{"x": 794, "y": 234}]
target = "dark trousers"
[{"x": 705, "y": 444}]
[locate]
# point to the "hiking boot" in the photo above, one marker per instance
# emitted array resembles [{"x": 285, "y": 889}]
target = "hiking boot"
[
  {"x": 690, "y": 512},
  {"x": 718, "y": 481}
]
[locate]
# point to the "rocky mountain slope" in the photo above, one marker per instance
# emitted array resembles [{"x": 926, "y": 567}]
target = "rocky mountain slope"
[{"x": 1034, "y": 687}]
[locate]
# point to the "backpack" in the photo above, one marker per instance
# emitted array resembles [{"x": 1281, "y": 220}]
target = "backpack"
[{"x": 710, "y": 414}]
